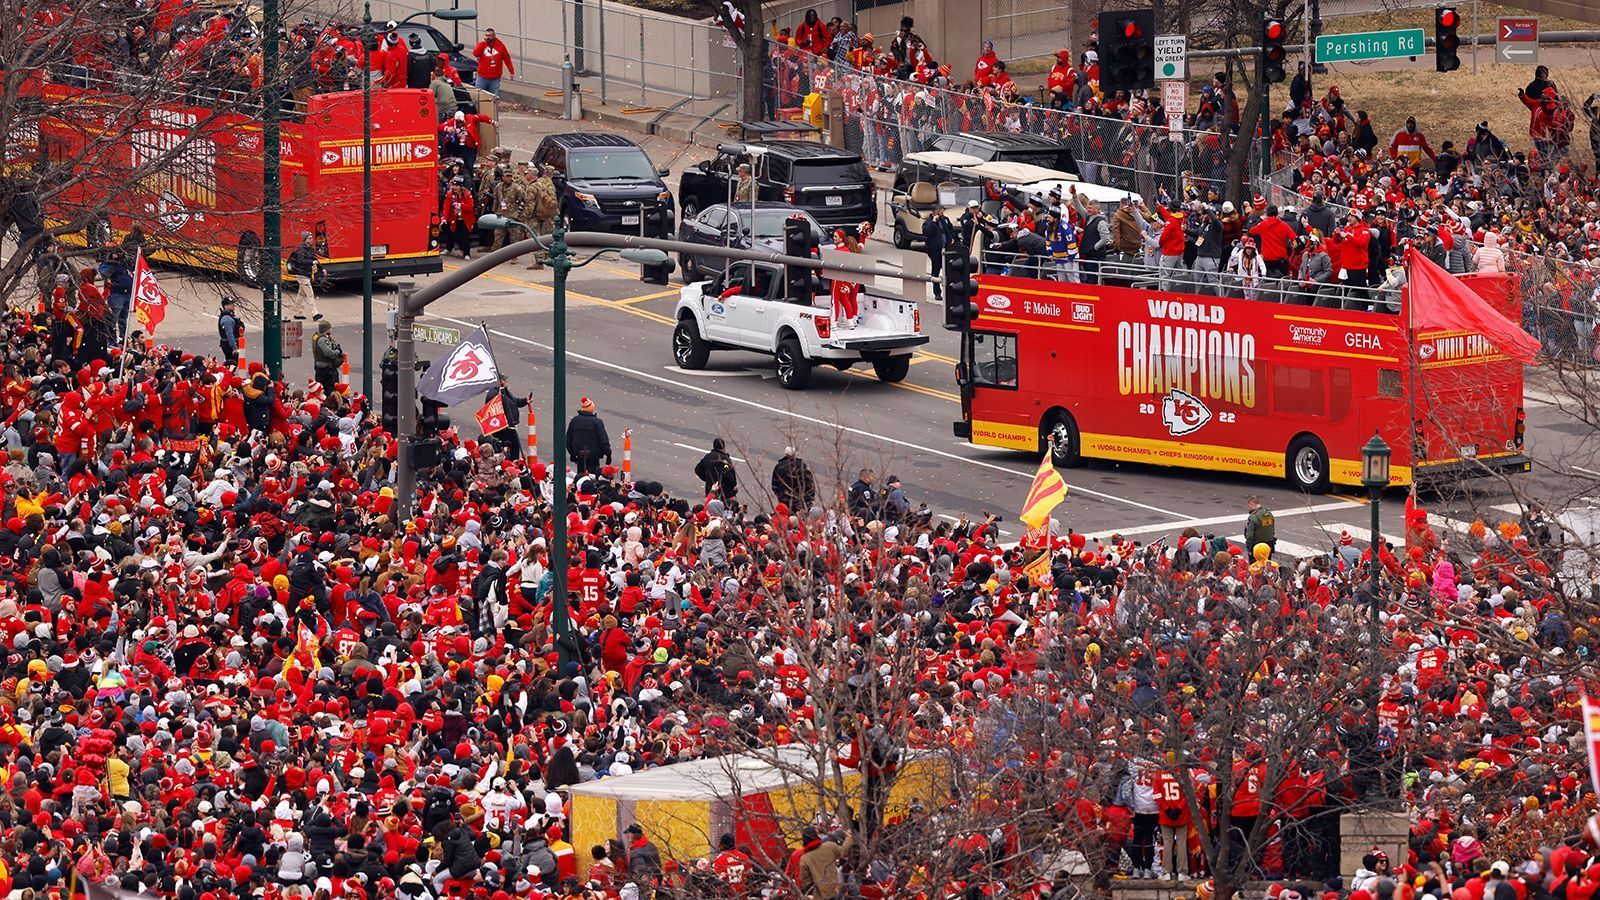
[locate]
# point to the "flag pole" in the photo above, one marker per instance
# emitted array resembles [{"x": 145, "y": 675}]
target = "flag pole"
[{"x": 1416, "y": 371}]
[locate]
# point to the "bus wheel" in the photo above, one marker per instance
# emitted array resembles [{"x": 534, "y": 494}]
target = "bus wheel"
[
  {"x": 1307, "y": 465},
  {"x": 893, "y": 369},
  {"x": 249, "y": 259},
  {"x": 1060, "y": 436}
]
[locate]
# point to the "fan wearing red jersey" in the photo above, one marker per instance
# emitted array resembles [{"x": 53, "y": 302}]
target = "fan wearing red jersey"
[
  {"x": 1175, "y": 821},
  {"x": 732, "y": 867}
]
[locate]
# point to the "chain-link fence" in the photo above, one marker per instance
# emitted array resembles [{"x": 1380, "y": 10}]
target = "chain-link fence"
[
  {"x": 885, "y": 118},
  {"x": 1560, "y": 305},
  {"x": 622, "y": 53}
]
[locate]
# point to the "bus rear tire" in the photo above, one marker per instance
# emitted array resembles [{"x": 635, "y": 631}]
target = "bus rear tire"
[
  {"x": 248, "y": 264},
  {"x": 893, "y": 369},
  {"x": 1058, "y": 436},
  {"x": 1307, "y": 465}
]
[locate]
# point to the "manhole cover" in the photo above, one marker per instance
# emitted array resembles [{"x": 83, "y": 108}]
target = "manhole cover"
[{"x": 501, "y": 293}]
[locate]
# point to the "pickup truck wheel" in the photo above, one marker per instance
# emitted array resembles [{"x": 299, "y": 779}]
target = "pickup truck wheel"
[
  {"x": 893, "y": 369},
  {"x": 794, "y": 370},
  {"x": 902, "y": 236},
  {"x": 688, "y": 348}
]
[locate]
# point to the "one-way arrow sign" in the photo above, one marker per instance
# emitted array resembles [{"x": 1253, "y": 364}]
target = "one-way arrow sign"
[{"x": 1517, "y": 40}]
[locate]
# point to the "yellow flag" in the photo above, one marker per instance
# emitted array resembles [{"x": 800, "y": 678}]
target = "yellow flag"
[{"x": 1047, "y": 490}]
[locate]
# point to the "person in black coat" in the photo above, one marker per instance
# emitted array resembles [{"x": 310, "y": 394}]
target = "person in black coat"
[
  {"x": 587, "y": 441},
  {"x": 509, "y": 439},
  {"x": 938, "y": 233},
  {"x": 793, "y": 485},
  {"x": 715, "y": 470}
]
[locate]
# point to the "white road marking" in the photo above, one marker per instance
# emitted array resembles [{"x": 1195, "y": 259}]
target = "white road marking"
[
  {"x": 1223, "y": 520},
  {"x": 697, "y": 450},
  {"x": 1298, "y": 551},
  {"x": 801, "y": 417},
  {"x": 1449, "y": 523},
  {"x": 711, "y": 373},
  {"x": 1512, "y": 508},
  {"x": 1362, "y": 536},
  {"x": 1540, "y": 397}
]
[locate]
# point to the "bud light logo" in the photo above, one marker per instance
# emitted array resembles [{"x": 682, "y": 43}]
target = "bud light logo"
[
  {"x": 1183, "y": 413},
  {"x": 999, "y": 301}
]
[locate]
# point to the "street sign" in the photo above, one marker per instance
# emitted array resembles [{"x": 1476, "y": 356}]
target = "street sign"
[
  {"x": 1170, "y": 52},
  {"x": 1174, "y": 100},
  {"x": 1370, "y": 45},
  {"x": 435, "y": 334},
  {"x": 1516, "y": 40},
  {"x": 294, "y": 332}
]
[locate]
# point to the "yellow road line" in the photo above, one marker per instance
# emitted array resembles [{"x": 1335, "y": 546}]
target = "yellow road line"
[
  {"x": 908, "y": 386},
  {"x": 656, "y": 296},
  {"x": 938, "y": 356}
]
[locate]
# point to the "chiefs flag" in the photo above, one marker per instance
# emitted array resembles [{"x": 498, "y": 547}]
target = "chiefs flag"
[
  {"x": 467, "y": 371},
  {"x": 492, "y": 417},
  {"x": 149, "y": 300}
]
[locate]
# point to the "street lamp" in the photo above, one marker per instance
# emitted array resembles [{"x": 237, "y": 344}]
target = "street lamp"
[
  {"x": 366, "y": 174},
  {"x": 1375, "y": 477},
  {"x": 561, "y": 261}
]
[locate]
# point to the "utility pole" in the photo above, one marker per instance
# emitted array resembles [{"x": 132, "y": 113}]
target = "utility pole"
[
  {"x": 366, "y": 200},
  {"x": 560, "y": 609},
  {"x": 272, "y": 192}
]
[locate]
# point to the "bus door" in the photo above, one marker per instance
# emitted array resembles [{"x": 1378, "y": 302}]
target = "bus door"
[{"x": 990, "y": 382}]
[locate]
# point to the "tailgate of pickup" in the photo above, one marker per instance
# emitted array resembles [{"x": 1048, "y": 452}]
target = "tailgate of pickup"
[{"x": 866, "y": 340}]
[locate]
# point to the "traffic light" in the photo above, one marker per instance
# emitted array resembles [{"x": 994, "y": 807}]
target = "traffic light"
[
  {"x": 1446, "y": 43},
  {"x": 1127, "y": 50},
  {"x": 391, "y": 392},
  {"x": 960, "y": 289},
  {"x": 800, "y": 240},
  {"x": 656, "y": 225},
  {"x": 427, "y": 453},
  {"x": 1273, "y": 51},
  {"x": 433, "y": 419}
]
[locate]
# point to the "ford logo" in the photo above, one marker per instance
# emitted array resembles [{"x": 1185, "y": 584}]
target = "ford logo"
[
  {"x": 999, "y": 301},
  {"x": 716, "y": 309}
]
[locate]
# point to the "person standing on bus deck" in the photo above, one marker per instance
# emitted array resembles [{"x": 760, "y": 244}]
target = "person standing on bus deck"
[
  {"x": 1276, "y": 239},
  {"x": 119, "y": 288},
  {"x": 494, "y": 62},
  {"x": 229, "y": 328},
  {"x": 395, "y": 56},
  {"x": 1260, "y": 527},
  {"x": 444, "y": 94},
  {"x": 419, "y": 64},
  {"x": 1096, "y": 240},
  {"x": 326, "y": 358},
  {"x": 938, "y": 232},
  {"x": 303, "y": 266},
  {"x": 1205, "y": 231}
]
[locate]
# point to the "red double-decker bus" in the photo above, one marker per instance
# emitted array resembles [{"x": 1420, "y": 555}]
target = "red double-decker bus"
[
  {"x": 1236, "y": 385},
  {"x": 190, "y": 178}
]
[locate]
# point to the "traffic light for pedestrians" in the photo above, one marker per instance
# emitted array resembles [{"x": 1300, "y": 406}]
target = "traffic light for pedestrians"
[
  {"x": 1273, "y": 51},
  {"x": 1446, "y": 43},
  {"x": 800, "y": 240},
  {"x": 1127, "y": 50},
  {"x": 655, "y": 221},
  {"x": 960, "y": 289},
  {"x": 391, "y": 392},
  {"x": 433, "y": 419}
]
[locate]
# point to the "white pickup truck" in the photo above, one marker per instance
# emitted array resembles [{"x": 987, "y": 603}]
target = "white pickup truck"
[{"x": 745, "y": 309}]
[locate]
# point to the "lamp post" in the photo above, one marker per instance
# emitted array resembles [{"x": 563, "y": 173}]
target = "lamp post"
[
  {"x": 452, "y": 15},
  {"x": 1375, "y": 477},
  {"x": 561, "y": 262}
]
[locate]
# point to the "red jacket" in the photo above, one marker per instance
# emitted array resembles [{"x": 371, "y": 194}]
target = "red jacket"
[
  {"x": 492, "y": 58},
  {"x": 983, "y": 70},
  {"x": 458, "y": 208},
  {"x": 1275, "y": 236},
  {"x": 1172, "y": 236},
  {"x": 394, "y": 65}
]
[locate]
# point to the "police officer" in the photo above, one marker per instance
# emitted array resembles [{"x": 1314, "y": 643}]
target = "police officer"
[
  {"x": 327, "y": 357},
  {"x": 229, "y": 328},
  {"x": 1261, "y": 527}
]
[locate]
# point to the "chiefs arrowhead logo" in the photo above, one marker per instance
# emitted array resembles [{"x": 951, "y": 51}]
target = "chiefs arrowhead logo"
[
  {"x": 469, "y": 364},
  {"x": 1183, "y": 413},
  {"x": 422, "y": 151},
  {"x": 330, "y": 157}
]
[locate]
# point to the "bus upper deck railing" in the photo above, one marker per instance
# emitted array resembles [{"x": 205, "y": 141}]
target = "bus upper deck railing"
[
  {"x": 158, "y": 89},
  {"x": 1134, "y": 272}
]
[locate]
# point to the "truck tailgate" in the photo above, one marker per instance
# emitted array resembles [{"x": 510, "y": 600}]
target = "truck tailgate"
[{"x": 882, "y": 323}]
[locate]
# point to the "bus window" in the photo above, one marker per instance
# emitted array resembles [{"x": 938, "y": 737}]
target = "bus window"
[
  {"x": 1339, "y": 395},
  {"x": 1297, "y": 391},
  {"x": 1389, "y": 384},
  {"x": 994, "y": 359}
]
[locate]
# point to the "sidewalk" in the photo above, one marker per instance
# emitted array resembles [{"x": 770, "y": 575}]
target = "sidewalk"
[{"x": 668, "y": 115}]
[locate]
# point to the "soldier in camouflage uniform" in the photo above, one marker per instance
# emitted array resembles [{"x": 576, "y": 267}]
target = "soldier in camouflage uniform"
[
  {"x": 488, "y": 174},
  {"x": 505, "y": 198},
  {"x": 544, "y": 204}
]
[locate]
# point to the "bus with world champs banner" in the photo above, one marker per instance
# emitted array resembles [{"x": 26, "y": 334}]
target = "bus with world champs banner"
[
  {"x": 188, "y": 174},
  {"x": 1269, "y": 386}
]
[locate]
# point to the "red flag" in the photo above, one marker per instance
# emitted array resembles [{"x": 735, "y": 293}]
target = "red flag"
[
  {"x": 1439, "y": 300},
  {"x": 1591, "y": 739},
  {"x": 149, "y": 300},
  {"x": 492, "y": 417}
]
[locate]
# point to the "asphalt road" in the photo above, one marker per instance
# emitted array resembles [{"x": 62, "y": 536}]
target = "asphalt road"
[{"x": 619, "y": 354}]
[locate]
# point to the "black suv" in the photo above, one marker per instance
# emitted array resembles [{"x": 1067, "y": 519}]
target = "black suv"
[
  {"x": 832, "y": 185},
  {"x": 990, "y": 146},
  {"x": 607, "y": 183}
]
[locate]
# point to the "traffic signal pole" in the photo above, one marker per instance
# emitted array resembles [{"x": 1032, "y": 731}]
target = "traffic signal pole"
[{"x": 272, "y": 192}]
